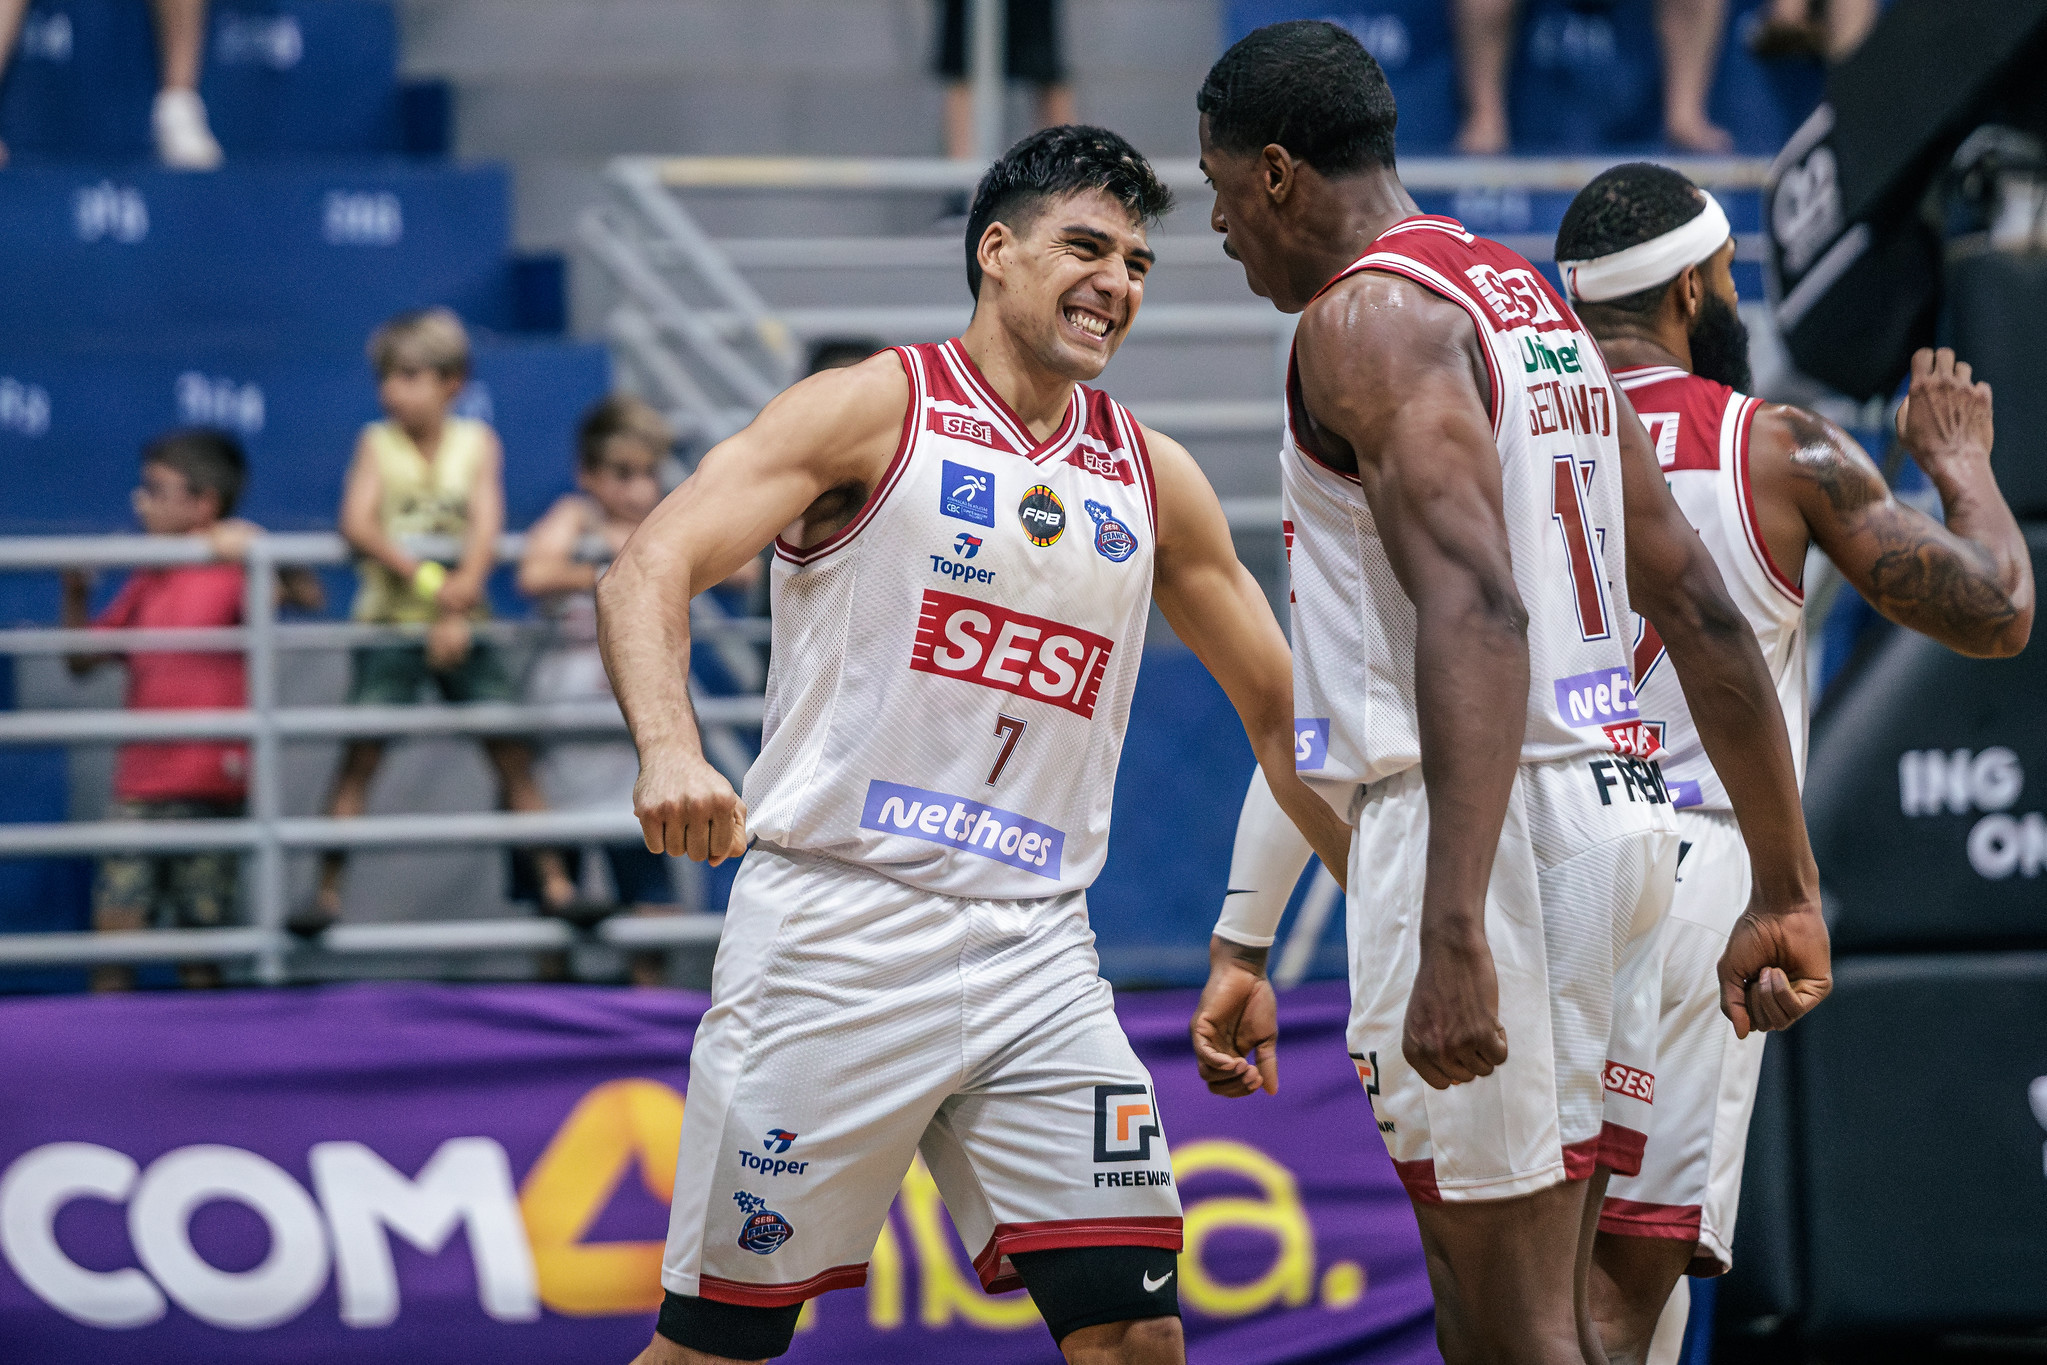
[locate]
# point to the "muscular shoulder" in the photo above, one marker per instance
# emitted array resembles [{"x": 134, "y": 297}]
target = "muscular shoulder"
[
  {"x": 1812, "y": 460},
  {"x": 846, "y": 422},
  {"x": 1383, "y": 325}
]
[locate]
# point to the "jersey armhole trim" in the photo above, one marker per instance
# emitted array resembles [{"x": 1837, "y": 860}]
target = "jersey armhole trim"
[
  {"x": 1147, "y": 484},
  {"x": 883, "y": 487},
  {"x": 1737, "y": 422},
  {"x": 1420, "y": 274}
]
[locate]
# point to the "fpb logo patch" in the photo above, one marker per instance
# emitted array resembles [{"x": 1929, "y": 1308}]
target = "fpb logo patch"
[
  {"x": 1367, "y": 1064},
  {"x": 764, "y": 1230},
  {"x": 1125, "y": 1123},
  {"x": 1113, "y": 540},
  {"x": 1042, "y": 514}
]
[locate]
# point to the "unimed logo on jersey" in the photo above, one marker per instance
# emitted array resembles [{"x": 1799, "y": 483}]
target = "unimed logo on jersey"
[
  {"x": 1125, "y": 1123},
  {"x": 980, "y": 642},
  {"x": 969, "y": 826}
]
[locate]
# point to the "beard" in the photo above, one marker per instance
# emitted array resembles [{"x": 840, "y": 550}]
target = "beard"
[{"x": 1719, "y": 341}]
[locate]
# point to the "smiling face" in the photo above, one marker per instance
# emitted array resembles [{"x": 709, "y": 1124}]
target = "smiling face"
[{"x": 1066, "y": 281}]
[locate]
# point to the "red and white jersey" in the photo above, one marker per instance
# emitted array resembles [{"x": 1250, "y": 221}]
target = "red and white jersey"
[
  {"x": 952, "y": 671},
  {"x": 1700, "y": 430},
  {"x": 1553, "y": 419}
]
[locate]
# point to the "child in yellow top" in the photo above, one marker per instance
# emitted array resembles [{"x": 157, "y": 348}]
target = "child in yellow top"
[{"x": 426, "y": 472}]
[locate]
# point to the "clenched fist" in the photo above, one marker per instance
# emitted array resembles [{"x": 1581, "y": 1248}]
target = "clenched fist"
[
  {"x": 1453, "y": 1032},
  {"x": 686, "y": 807},
  {"x": 1776, "y": 968}
]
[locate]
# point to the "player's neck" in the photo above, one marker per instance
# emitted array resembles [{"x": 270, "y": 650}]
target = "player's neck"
[
  {"x": 1346, "y": 219},
  {"x": 1033, "y": 393},
  {"x": 1631, "y": 348}
]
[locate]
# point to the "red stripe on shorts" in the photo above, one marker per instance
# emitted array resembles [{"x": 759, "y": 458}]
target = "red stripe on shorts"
[
  {"x": 781, "y": 1295},
  {"x": 1632, "y": 1218},
  {"x": 1068, "y": 1232}
]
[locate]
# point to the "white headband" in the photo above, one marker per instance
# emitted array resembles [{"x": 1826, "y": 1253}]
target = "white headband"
[{"x": 1647, "y": 264}]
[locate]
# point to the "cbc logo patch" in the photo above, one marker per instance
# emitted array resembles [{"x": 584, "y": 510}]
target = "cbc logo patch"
[
  {"x": 764, "y": 1230},
  {"x": 1125, "y": 1123},
  {"x": 1042, "y": 514}
]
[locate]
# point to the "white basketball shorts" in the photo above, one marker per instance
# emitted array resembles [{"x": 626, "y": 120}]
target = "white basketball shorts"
[
  {"x": 1689, "y": 1186},
  {"x": 856, "y": 1021},
  {"x": 1580, "y": 883}
]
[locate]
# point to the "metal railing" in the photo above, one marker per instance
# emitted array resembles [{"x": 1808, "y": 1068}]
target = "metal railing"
[
  {"x": 266, "y": 832},
  {"x": 702, "y": 338}
]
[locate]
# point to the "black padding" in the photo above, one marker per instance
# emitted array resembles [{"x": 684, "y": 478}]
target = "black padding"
[
  {"x": 1076, "y": 1287},
  {"x": 733, "y": 1330},
  {"x": 1994, "y": 305}
]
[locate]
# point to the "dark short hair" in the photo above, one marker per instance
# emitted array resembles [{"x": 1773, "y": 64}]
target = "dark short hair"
[
  {"x": 1054, "y": 162},
  {"x": 1308, "y": 86},
  {"x": 1623, "y": 207},
  {"x": 620, "y": 414},
  {"x": 210, "y": 460}
]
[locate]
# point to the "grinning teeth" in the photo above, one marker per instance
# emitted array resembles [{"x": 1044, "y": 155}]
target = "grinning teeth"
[{"x": 1092, "y": 326}]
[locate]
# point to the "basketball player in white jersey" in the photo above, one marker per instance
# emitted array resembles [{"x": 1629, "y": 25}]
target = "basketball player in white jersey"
[
  {"x": 971, "y": 541},
  {"x": 1645, "y": 255},
  {"x": 1475, "y": 515}
]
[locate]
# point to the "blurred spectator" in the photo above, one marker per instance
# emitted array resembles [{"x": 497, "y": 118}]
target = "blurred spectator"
[
  {"x": 425, "y": 472},
  {"x": 1813, "y": 28},
  {"x": 1034, "y": 53},
  {"x": 190, "y": 482},
  {"x": 1688, "y": 30},
  {"x": 619, "y": 449},
  {"x": 184, "y": 142}
]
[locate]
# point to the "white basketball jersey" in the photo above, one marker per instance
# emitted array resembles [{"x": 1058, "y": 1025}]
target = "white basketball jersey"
[
  {"x": 1553, "y": 420},
  {"x": 952, "y": 671},
  {"x": 1701, "y": 430}
]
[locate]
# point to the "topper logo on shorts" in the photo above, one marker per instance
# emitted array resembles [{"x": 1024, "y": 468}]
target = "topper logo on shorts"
[
  {"x": 981, "y": 642},
  {"x": 764, "y": 1230},
  {"x": 1367, "y": 1064},
  {"x": 967, "y": 493},
  {"x": 1042, "y": 514},
  {"x": 1125, "y": 1123},
  {"x": 1113, "y": 540},
  {"x": 962, "y": 427},
  {"x": 969, "y": 826},
  {"x": 1623, "y": 1079},
  {"x": 1601, "y": 698},
  {"x": 1311, "y": 743}
]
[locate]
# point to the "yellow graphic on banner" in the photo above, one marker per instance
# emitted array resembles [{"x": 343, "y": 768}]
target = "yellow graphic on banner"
[
  {"x": 627, "y": 1123},
  {"x": 612, "y": 1128}
]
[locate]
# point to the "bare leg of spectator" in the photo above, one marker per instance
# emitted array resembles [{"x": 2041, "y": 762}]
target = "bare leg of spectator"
[
  {"x": 350, "y": 798},
  {"x": 11, "y": 12},
  {"x": 1485, "y": 39},
  {"x": 1848, "y": 23},
  {"x": 117, "y": 919},
  {"x": 183, "y": 139},
  {"x": 514, "y": 763},
  {"x": 1690, "y": 32},
  {"x": 1788, "y": 30},
  {"x": 1055, "y": 105},
  {"x": 959, "y": 121}
]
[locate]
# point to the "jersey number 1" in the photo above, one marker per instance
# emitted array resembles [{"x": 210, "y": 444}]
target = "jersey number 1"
[{"x": 1568, "y": 510}]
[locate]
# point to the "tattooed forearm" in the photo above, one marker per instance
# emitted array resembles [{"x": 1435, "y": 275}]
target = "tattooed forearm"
[{"x": 1926, "y": 577}]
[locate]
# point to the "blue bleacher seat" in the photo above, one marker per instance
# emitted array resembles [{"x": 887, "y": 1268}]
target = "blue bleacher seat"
[
  {"x": 256, "y": 254},
  {"x": 281, "y": 77},
  {"x": 1411, "y": 40}
]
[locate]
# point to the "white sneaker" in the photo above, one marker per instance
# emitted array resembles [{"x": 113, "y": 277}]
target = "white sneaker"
[{"x": 183, "y": 141}]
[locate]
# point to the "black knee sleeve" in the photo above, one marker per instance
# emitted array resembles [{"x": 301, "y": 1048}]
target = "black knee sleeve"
[
  {"x": 1077, "y": 1287},
  {"x": 735, "y": 1330}
]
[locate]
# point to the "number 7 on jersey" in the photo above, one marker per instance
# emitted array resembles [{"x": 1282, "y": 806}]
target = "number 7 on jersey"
[{"x": 1009, "y": 730}]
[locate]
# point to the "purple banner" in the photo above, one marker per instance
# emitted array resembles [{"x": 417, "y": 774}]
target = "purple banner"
[{"x": 406, "y": 1172}]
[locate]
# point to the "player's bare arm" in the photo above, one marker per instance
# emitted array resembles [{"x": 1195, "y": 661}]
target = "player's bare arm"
[
  {"x": 1967, "y": 584},
  {"x": 1393, "y": 383},
  {"x": 1217, "y": 608},
  {"x": 1777, "y": 964},
  {"x": 810, "y": 459}
]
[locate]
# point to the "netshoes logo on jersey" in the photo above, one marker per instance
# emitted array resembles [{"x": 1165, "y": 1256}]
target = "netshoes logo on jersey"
[
  {"x": 980, "y": 642},
  {"x": 1311, "y": 742},
  {"x": 1598, "y": 699},
  {"x": 969, "y": 826},
  {"x": 1125, "y": 1123}
]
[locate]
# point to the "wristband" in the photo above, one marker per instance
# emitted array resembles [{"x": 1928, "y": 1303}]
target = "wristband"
[
  {"x": 428, "y": 578},
  {"x": 1265, "y": 865}
]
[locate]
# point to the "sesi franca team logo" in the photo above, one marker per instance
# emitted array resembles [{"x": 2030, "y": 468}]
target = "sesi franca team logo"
[
  {"x": 1042, "y": 514},
  {"x": 1113, "y": 540},
  {"x": 764, "y": 1230}
]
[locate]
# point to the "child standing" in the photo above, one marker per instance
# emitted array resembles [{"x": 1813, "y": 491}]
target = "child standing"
[
  {"x": 619, "y": 449},
  {"x": 425, "y": 472},
  {"x": 190, "y": 482}
]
